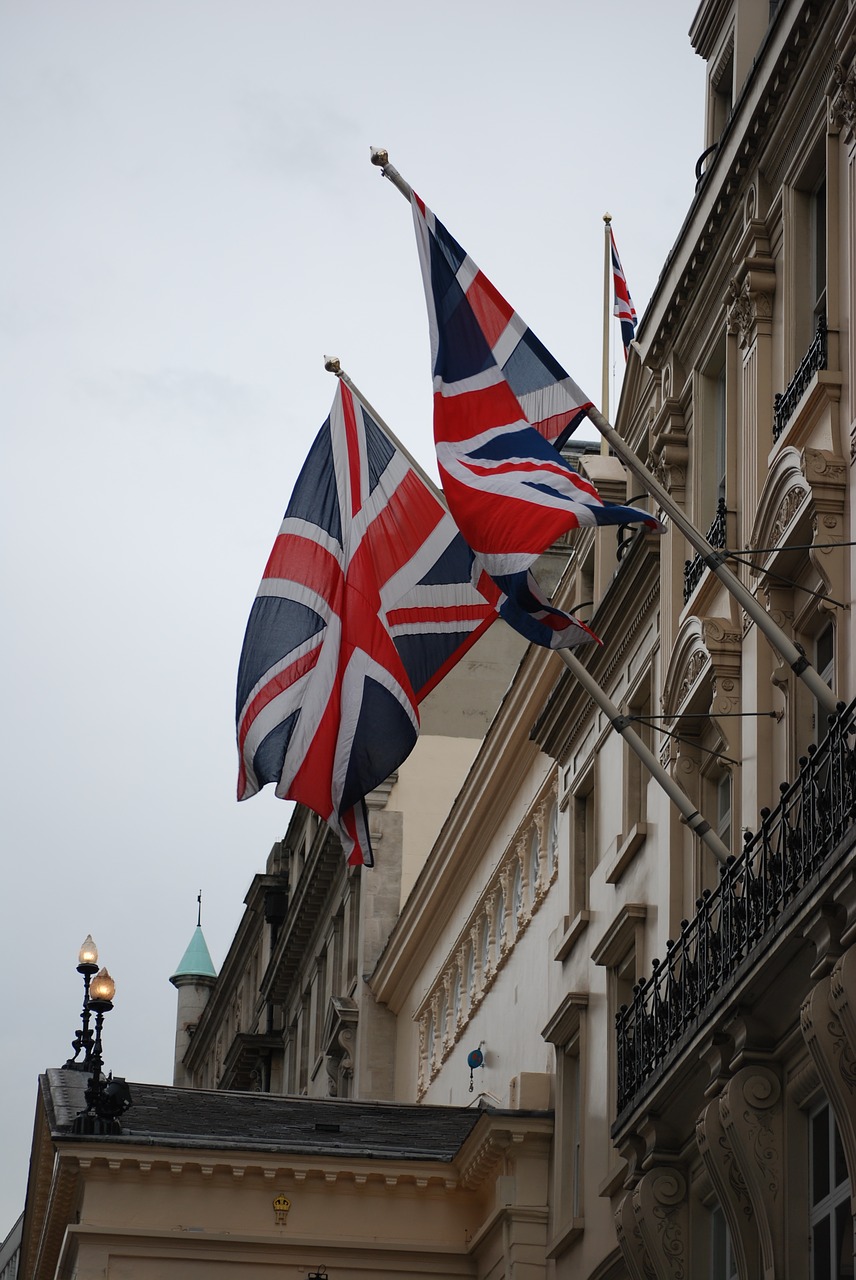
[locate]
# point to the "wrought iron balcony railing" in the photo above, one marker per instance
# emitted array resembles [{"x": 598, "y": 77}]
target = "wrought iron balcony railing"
[
  {"x": 716, "y": 536},
  {"x": 755, "y": 891},
  {"x": 785, "y": 402}
]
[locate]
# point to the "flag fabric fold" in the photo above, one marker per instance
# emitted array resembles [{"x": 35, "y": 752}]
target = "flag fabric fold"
[
  {"x": 503, "y": 408},
  {"x": 624, "y": 307},
  {"x": 369, "y": 597}
]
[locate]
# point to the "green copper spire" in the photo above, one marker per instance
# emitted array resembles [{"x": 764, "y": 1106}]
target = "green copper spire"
[{"x": 196, "y": 961}]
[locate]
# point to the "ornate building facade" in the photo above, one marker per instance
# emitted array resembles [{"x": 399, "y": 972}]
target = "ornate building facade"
[{"x": 545, "y": 938}]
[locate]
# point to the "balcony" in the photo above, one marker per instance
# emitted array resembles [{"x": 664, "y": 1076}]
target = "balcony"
[
  {"x": 716, "y": 536},
  {"x": 785, "y": 403},
  {"x": 758, "y": 893}
]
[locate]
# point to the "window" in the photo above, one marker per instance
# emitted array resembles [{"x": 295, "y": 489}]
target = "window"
[
  {"x": 567, "y": 1031},
  {"x": 723, "y": 808},
  {"x": 500, "y": 920},
  {"x": 721, "y": 94},
  {"x": 817, "y": 290},
  {"x": 584, "y": 850},
  {"x": 722, "y": 1263},
  {"x": 830, "y": 1218},
  {"x": 620, "y": 953},
  {"x": 711, "y": 447},
  {"x": 824, "y": 661},
  {"x": 456, "y": 999}
]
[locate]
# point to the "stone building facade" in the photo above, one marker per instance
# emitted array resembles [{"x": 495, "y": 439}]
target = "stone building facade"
[{"x": 546, "y": 936}]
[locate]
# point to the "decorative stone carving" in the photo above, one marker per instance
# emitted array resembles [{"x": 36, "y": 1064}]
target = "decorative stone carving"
[
  {"x": 670, "y": 449},
  {"x": 842, "y": 108},
  {"x": 339, "y": 1041},
  {"x": 751, "y": 1114},
  {"x": 832, "y": 1049},
  {"x": 731, "y": 1190},
  {"x": 723, "y": 642},
  {"x": 826, "y": 473},
  {"x": 662, "y": 1213},
  {"x": 697, "y": 662},
  {"x": 788, "y": 508},
  {"x": 630, "y": 1241},
  {"x": 749, "y": 303}
]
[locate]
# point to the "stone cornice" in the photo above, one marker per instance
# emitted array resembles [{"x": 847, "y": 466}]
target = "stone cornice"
[
  {"x": 779, "y": 63},
  {"x": 172, "y": 1159},
  {"x": 494, "y": 1136}
]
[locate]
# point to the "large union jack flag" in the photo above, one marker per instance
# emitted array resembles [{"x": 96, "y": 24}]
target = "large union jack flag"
[
  {"x": 366, "y": 602},
  {"x": 503, "y": 407},
  {"x": 624, "y": 307}
]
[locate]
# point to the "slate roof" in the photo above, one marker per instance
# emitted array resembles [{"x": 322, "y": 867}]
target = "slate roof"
[{"x": 271, "y": 1123}]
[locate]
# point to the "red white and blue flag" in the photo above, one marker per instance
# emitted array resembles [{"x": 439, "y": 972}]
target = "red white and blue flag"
[
  {"x": 503, "y": 408},
  {"x": 624, "y": 307},
  {"x": 366, "y": 602}
]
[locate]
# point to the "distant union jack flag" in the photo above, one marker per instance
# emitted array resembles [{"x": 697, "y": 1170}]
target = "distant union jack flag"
[
  {"x": 366, "y": 602},
  {"x": 503, "y": 407},
  {"x": 624, "y": 307}
]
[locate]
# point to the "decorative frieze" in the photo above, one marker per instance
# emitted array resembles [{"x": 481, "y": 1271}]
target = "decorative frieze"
[{"x": 512, "y": 896}]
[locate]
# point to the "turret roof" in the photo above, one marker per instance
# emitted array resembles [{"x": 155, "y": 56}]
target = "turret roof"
[{"x": 196, "y": 961}]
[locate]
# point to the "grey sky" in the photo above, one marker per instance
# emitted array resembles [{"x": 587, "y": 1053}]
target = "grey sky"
[{"x": 190, "y": 222}]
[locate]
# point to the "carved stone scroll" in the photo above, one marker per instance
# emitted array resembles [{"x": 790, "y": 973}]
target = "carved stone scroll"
[
  {"x": 661, "y": 1209},
  {"x": 630, "y": 1241},
  {"x": 750, "y": 1109},
  {"x": 731, "y": 1191}
]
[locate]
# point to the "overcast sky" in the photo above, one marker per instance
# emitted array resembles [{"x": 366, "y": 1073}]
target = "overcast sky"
[{"x": 190, "y": 222}]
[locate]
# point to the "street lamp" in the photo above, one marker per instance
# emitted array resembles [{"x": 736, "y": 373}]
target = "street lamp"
[
  {"x": 106, "y": 1100},
  {"x": 87, "y": 965}
]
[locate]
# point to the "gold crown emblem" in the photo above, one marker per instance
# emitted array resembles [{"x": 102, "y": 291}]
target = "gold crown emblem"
[{"x": 282, "y": 1204}]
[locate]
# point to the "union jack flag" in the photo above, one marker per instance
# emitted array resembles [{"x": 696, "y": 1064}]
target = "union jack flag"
[
  {"x": 368, "y": 599},
  {"x": 503, "y": 407},
  {"x": 624, "y": 307}
]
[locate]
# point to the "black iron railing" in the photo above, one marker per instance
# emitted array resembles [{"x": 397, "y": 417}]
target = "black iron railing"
[
  {"x": 755, "y": 891},
  {"x": 785, "y": 402},
  {"x": 716, "y": 536}
]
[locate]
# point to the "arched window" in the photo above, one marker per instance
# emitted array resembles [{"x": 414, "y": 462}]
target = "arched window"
[
  {"x": 471, "y": 972},
  {"x": 429, "y": 1045},
  {"x": 456, "y": 996}
]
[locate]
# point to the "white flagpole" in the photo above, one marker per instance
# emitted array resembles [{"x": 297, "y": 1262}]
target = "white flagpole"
[
  {"x": 621, "y": 723},
  {"x": 713, "y": 558}
]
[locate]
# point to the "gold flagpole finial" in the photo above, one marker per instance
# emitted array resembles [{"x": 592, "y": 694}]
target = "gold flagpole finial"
[
  {"x": 380, "y": 156},
  {"x": 332, "y": 365}
]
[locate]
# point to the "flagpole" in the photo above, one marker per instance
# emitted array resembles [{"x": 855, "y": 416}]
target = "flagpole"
[
  {"x": 713, "y": 558},
  {"x": 604, "y": 381},
  {"x": 333, "y": 365},
  {"x": 716, "y": 562},
  {"x": 621, "y": 723}
]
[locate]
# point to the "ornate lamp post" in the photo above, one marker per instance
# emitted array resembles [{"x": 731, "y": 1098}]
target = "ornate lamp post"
[
  {"x": 106, "y": 1100},
  {"x": 82, "y": 1043}
]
